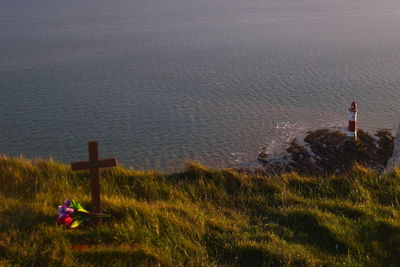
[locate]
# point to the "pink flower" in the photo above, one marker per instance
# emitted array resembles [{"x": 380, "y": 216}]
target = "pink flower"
[{"x": 69, "y": 210}]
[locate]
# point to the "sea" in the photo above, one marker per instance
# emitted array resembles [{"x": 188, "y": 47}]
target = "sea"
[{"x": 160, "y": 82}]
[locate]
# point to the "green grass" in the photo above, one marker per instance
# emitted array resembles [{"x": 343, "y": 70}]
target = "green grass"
[{"x": 200, "y": 217}]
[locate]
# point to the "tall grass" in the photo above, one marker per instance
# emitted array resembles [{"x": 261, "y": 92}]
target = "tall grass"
[{"x": 200, "y": 217}]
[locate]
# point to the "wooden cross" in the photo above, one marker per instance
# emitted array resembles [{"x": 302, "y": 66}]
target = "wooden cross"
[{"x": 94, "y": 164}]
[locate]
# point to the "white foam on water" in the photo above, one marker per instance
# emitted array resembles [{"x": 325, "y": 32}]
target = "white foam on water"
[{"x": 277, "y": 141}]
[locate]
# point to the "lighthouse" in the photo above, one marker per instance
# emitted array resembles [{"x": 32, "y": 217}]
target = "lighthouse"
[{"x": 352, "y": 128}]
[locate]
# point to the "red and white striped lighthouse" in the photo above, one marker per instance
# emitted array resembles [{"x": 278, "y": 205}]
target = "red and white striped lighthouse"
[{"x": 352, "y": 129}]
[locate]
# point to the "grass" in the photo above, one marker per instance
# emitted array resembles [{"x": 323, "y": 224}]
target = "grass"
[{"x": 200, "y": 217}]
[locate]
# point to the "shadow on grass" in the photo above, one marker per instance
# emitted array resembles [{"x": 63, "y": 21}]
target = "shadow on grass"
[
  {"x": 222, "y": 246},
  {"x": 118, "y": 257},
  {"x": 307, "y": 229},
  {"x": 383, "y": 241},
  {"x": 348, "y": 212},
  {"x": 24, "y": 218}
]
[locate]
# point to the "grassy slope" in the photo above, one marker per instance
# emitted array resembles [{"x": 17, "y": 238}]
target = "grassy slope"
[{"x": 200, "y": 217}]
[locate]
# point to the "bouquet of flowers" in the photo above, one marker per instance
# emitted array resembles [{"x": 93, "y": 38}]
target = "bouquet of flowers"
[{"x": 71, "y": 214}]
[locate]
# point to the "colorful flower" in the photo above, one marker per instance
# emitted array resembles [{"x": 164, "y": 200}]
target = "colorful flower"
[
  {"x": 71, "y": 214},
  {"x": 67, "y": 203}
]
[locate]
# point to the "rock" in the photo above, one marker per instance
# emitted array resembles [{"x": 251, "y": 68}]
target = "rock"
[{"x": 263, "y": 155}]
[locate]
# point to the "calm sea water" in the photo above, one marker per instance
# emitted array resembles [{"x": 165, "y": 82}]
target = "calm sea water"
[{"x": 158, "y": 82}]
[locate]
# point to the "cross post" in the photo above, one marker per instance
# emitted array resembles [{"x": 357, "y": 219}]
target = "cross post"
[{"x": 94, "y": 164}]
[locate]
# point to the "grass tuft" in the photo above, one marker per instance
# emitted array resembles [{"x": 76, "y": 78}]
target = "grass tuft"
[{"x": 200, "y": 217}]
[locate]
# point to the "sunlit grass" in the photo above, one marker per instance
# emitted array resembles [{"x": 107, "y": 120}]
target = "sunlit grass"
[{"x": 200, "y": 217}]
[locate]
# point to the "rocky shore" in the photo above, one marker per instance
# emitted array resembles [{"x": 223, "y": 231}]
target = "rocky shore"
[{"x": 326, "y": 152}]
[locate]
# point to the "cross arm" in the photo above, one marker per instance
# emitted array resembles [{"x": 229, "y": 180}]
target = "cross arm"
[
  {"x": 80, "y": 166},
  {"x": 86, "y": 165},
  {"x": 107, "y": 163}
]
